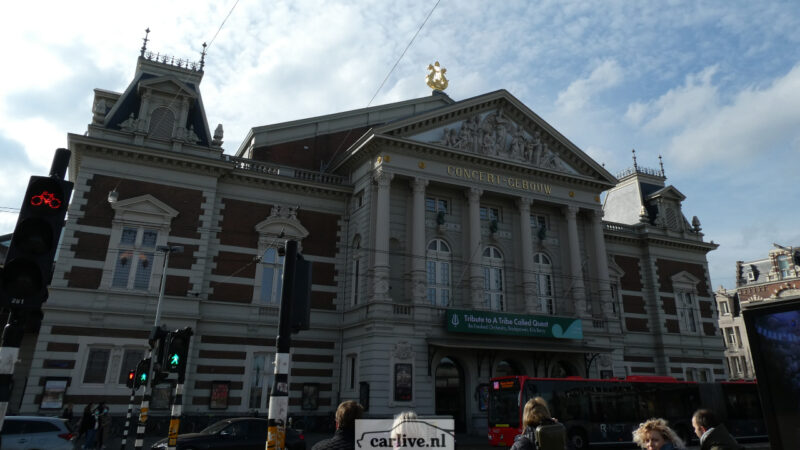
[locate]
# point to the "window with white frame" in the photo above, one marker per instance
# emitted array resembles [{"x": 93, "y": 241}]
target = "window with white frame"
[
  {"x": 783, "y": 266},
  {"x": 96, "y": 367},
  {"x": 490, "y": 213},
  {"x": 687, "y": 311},
  {"x": 271, "y": 276},
  {"x": 435, "y": 205},
  {"x": 544, "y": 282},
  {"x": 493, "y": 284},
  {"x": 261, "y": 374},
  {"x": 738, "y": 336},
  {"x": 724, "y": 309},
  {"x": 730, "y": 337},
  {"x": 134, "y": 263},
  {"x": 438, "y": 272},
  {"x": 130, "y": 359}
]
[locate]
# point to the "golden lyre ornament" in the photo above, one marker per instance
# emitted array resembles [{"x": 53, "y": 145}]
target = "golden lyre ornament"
[{"x": 435, "y": 78}]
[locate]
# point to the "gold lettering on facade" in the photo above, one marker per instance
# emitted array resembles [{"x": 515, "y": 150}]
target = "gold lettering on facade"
[{"x": 493, "y": 178}]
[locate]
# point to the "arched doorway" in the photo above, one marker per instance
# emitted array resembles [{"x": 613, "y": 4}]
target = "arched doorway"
[{"x": 450, "y": 392}]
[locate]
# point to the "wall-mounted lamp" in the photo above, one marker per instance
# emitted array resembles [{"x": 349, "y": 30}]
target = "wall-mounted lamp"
[{"x": 113, "y": 196}]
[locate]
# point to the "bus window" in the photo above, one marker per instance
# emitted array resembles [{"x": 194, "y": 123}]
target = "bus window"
[
  {"x": 569, "y": 400},
  {"x": 741, "y": 401},
  {"x": 504, "y": 407}
]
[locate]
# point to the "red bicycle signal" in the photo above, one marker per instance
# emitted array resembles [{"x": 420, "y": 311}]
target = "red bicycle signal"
[{"x": 47, "y": 198}]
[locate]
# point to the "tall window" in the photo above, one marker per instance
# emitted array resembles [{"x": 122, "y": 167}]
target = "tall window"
[
  {"x": 687, "y": 311},
  {"x": 271, "y": 276},
  {"x": 96, "y": 365},
  {"x": 438, "y": 268},
  {"x": 724, "y": 309},
  {"x": 135, "y": 258},
  {"x": 261, "y": 373},
  {"x": 351, "y": 372},
  {"x": 356, "y": 269},
  {"x": 730, "y": 338},
  {"x": 544, "y": 282},
  {"x": 783, "y": 265},
  {"x": 130, "y": 359},
  {"x": 434, "y": 204},
  {"x": 490, "y": 213},
  {"x": 493, "y": 286}
]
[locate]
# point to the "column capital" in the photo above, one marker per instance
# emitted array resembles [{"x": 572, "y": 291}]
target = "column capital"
[
  {"x": 570, "y": 211},
  {"x": 474, "y": 194},
  {"x": 418, "y": 185},
  {"x": 597, "y": 215},
  {"x": 382, "y": 177},
  {"x": 524, "y": 204}
]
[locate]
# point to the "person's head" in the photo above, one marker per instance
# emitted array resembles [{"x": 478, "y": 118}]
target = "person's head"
[
  {"x": 654, "y": 433},
  {"x": 347, "y": 413},
  {"x": 534, "y": 412},
  {"x": 703, "y": 420},
  {"x": 406, "y": 424}
]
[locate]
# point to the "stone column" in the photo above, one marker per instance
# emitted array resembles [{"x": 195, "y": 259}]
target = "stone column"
[
  {"x": 383, "y": 180},
  {"x": 475, "y": 253},
  {"x": 526, "y": 248},
  {"x": 601, "y": 257},
  {"x": 418, "y": 249},
  {"x": 575, "y": 282}
]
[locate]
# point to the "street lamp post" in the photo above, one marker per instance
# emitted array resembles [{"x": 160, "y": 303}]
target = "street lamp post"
[{"x": 144, "y": 409}]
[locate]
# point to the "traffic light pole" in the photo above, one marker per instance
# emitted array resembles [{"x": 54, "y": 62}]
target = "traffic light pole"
[
  {"x": 279, "y": 394},
  {"x": 9, "y": 351},
  {"x": 145, "y": 408},
  {"x": 128, "y": 420},
  {"x": 175, "y": 418}
]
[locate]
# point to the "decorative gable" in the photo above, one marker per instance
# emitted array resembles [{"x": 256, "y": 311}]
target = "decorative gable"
[
  {"x": 281, "y": 224},
  {"x": 685, "y": 280}
]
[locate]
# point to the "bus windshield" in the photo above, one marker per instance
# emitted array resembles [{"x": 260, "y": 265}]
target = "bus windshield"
[{"x": 504, "y": 404}]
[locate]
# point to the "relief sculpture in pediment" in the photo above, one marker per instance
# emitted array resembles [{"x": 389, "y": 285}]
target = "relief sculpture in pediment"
[{"x": 495, "y": 135}]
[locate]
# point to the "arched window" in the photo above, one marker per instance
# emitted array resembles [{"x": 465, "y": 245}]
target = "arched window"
[
  {"x": 271, "y": 276},
  {"x": 493, "y": 286},
  {"x": 544, "y": 282},
  {"x": 438, "y": 268}
]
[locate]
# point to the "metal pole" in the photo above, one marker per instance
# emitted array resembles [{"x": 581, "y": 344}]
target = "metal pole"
[
  {"x": 9, "y": 352},
  {"x": 128, "y": 420},
  {"x": 279, "y": 395},
  {"x": 145, "y": 408},
  {"x": 175, "y": 419}
]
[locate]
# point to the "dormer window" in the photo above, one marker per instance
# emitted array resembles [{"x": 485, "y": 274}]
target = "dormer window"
[
  {"x": 162, "y": 122},
  {"x": 783, "y": 266}
]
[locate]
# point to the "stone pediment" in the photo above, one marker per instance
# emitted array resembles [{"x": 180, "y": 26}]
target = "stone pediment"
[
  {"x": 169, "y": 85},
  {"x": 668, "y": 192},
  {"x": 685, "y": 278},
  {"x": 144, "y": 208},
  {"x": 498, "y": 126}
]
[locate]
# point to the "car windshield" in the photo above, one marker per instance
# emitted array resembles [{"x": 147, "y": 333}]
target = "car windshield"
[{"x": 216, "y": 427}]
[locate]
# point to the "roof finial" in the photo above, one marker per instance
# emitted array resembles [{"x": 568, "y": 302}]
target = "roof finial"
[
  {"x": 635, "y": 166},
  {"x": 661, "y": 163},
  {"x": 203, "y": 57},
  {"x": 144, "y": 43}
]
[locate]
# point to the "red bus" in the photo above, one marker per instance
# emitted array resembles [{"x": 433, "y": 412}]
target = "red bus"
[{"x": 604, "y": 413}]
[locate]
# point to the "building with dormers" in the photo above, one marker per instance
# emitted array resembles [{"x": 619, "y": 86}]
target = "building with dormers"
[
  {"x": 776, "y": 277},
  {"x": 451, "y": 241}
]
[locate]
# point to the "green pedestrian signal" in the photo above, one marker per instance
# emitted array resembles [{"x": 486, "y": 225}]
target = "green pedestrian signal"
[
  {"x": 143, "y": 377},
  {"x": 174, "y": 360}
]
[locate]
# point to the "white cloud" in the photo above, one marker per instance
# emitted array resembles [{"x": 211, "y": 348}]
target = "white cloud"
[
  {"x": 606, "y": 75},
  {"x": 754, "y": 124}
]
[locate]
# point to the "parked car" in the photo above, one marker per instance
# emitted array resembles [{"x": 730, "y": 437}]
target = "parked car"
[
  {"x": 242, "y": 433},
  {"x": 35, "y": 432}
]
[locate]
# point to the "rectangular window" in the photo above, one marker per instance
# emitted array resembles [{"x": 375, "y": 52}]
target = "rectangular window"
[
  {"x": 490, "y": 213},
  {"x": 738, "y": 336},
  {"x": 134, "y": 265},
  {"x": 143, "y": 269},
  {"x": 730, "y": 337},
  {"x": 130, "y": 359},
  {"x": 96, "y": 365},
  {"x": 724, "y": 309},
  {"x": 351, "y": 371},
  {"x": 433, "y": 204},
  {"x": 538, "y": 221}
]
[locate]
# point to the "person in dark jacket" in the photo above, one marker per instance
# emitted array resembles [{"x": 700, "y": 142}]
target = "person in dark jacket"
[
  {"x": 345, "y": 436},
  {"x": 712, "y": 433},
  {"x": 535, "y": 413},
  {"x": 86, "y": 421}
]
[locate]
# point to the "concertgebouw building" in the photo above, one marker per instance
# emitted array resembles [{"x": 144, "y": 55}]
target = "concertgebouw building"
[{"x": 451, "y": 241}]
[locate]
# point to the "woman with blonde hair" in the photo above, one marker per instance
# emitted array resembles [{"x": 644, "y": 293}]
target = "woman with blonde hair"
[
  {"x": 534, "y": 414},
  {"x": 655, "y": 434}
]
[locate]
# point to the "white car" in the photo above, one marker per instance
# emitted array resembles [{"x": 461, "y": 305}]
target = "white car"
[{"x": 34, "y": 433}]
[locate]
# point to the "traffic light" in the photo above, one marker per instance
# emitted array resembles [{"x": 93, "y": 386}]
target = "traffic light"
[
  {"x": 141, "y": 378},
  {"x": 301, "y": 303},
  {"x": 131, "y": 379},
  {"x": 177, "y": 351},
  {"x": 29, "y": 261}
]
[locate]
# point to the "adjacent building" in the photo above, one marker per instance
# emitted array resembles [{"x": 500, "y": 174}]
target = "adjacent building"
[
  {"x": 451, "y": 241},
  {"x": 775, "y": 277}
]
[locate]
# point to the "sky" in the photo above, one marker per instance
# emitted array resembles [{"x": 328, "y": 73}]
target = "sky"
[{"x": 711, "y": 86}]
